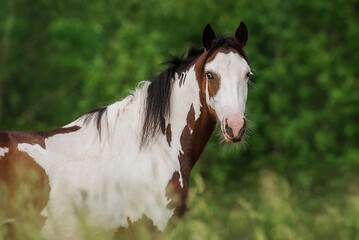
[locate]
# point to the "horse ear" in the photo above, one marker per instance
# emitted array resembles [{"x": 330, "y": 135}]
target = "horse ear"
[
  {"x": 241, "y": 35},
  {"x": 208, "y": 37}
]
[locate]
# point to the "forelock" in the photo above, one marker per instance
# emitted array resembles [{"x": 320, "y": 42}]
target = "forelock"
[{"x": 227, "y": 43}]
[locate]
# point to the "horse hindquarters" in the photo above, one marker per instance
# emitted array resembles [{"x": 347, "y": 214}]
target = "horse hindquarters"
[{"x": 24, "y": 188}]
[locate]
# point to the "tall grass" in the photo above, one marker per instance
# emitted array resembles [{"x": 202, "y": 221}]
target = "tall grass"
[{"x": 271, "y": 209}]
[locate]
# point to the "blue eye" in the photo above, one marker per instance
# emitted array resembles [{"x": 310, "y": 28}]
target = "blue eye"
[{"x": 209, "y": 75}]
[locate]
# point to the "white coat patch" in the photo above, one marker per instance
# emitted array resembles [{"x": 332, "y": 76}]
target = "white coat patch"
[{"x": 3, "y": 151}]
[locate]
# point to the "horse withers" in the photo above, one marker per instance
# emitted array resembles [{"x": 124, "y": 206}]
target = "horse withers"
[{"x": 131, "y": 160}]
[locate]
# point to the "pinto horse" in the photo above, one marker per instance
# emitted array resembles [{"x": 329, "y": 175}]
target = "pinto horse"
[{"x": 132, "y": 159}]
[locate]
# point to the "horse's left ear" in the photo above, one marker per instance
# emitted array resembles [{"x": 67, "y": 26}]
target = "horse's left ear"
[{"x": 241, "y": 35}]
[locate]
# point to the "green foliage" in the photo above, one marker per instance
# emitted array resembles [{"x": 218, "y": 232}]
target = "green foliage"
[
  {"x": 60, "y": 59},
  {"x": 268, "y": 211}
]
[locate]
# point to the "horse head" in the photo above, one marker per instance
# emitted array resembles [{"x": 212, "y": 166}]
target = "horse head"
[{"x": 223, "y": 73}]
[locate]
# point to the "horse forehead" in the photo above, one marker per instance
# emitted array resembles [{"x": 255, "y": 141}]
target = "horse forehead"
[{"x": 225, "y": 61}]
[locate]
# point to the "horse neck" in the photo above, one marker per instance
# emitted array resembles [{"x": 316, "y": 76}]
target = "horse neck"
[{"x": 191, "y": 122}]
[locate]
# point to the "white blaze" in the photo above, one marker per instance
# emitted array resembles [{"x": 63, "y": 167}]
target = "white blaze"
[{"x": 232, "y": 94}]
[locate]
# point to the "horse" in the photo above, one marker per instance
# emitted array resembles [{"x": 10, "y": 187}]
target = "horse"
[{"x": 131, "y": 160}]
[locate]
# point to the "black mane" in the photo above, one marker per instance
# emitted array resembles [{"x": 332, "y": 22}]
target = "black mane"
[
  {"x": 96, "y": 115},
  {"x": 159, "y": 91}
]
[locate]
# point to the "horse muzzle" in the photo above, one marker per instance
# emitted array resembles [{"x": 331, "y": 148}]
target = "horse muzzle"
[{"x": 234, "y": 128}]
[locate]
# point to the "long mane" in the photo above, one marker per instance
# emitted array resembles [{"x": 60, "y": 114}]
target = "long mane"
[{"x": 159, "y": 92}]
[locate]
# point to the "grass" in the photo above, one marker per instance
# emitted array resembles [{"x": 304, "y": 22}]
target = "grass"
[{"x": 270, "y": 209}]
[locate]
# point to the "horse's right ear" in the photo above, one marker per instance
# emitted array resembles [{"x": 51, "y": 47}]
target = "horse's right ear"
[
  {"x": 241, "y": 35},
  {"x": 208, "y": 37}
]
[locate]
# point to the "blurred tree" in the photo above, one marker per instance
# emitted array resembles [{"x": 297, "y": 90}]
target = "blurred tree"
[{"x": 60, "y": 59}]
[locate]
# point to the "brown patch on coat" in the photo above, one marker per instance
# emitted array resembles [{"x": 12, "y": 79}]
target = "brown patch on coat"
[
  {"x": 24, "y": 189},
  {"x": 163, "y": 126},
  {"x": 177, "y": 195},
  {"x": 166, "y": 131},
  {"x": 21, "y": 175},
  {"x": 169, "y": 134},
  {"x": 33, "y": 137},
  {"x": 194, "y": 137},
  {"x": 137, "y": 230},
  {"x": 213, "y": 85}
]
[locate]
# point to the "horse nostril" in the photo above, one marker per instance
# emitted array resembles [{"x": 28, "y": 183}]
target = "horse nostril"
[
  {"x": 228, "y": 129},
  {"x": 243, "y": 129}
]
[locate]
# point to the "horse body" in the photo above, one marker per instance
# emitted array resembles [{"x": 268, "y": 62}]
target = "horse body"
[
  {"x": 101, "y": 166},
  {"x": 99, "y": 172}
]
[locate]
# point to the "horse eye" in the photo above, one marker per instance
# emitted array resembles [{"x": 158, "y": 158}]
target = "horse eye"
[
  {"x": 249, "y": 74},
  {"x": 209, "y": 75}
]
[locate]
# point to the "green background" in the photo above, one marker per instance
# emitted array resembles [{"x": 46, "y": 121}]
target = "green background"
[{"x": 298, "y": 175}]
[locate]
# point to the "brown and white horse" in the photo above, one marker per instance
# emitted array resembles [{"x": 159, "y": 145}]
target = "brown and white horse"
[{"x": 132, "y": 159}]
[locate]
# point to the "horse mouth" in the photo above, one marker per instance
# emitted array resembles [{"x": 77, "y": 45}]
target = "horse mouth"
[{"x": 234, "y": 139}]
